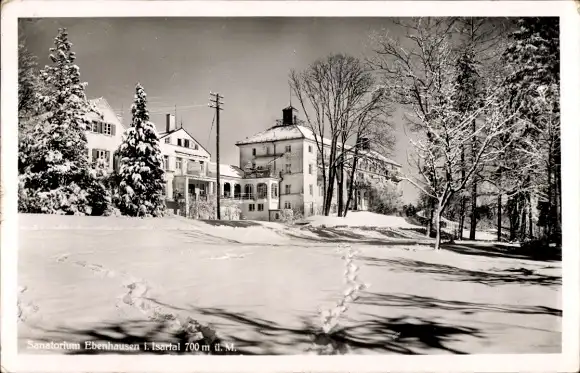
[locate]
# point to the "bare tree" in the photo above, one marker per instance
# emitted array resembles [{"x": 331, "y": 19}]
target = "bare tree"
[
  {"x": 420, "y": 74},
  {"x": 331, "y": 92}
]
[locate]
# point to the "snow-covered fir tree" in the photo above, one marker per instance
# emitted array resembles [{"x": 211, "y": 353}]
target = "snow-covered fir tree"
[
  {"x": 29, "y": 85},
  {"x": 140, "y": 191},
  {"x": 56, "y": 176},
  {"x": 533, "y": 162}
]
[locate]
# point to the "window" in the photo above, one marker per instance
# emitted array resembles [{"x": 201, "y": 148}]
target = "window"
[
  {"x": 104, "y": 128},
  {"x": 178, "y": 164},
  {"x": 166, "y": 162},
  {"x": 312, "y": 209},
  {"x": 251, "y": 207},
  {"x": 249, "y": 191},
  {"x": 196, "y": 147},
  {"x": 310, "y": 168},
  {"x": 107, "y": 130},
  {"x": 101, "y": 154},
  {"x": 201, "y": 166},
  {"x": 168, "y": 140},
  {"x": 288, "y": 148},
  {"x": 288, "y": 168},
  {"x": 262, "y": 190},
  {"x": 186, "y": 143},
  {"x": 287, "y": 189},
  {"x": 311, "y": 189},
  {"x": 267, "y": 150},
  {"x": 274, "y": 190},
  {"x": 309, "y": 148},
  {"x": 254, "y": 151},
  {"x": 179, "y": 142},
  {"x": 287, "y": 205},
  {"x": 277, "y": 216},
  {"x": 260, "y": 207}
]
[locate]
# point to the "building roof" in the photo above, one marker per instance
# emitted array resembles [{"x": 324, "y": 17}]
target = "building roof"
[
  {"x": 165, "y": 134},
  {"x": 294, "y": 131},
  {"x": 106, "y": 110},
  {"x": 278, "y": 133},
  {"x": 227, "y": 170}
]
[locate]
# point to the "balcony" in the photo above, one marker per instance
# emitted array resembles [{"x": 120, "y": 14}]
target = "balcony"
[
  {"x": 191, "y": 172},
  {"x": 258, "y": 173},
  {"x": 277, "y": 154}
]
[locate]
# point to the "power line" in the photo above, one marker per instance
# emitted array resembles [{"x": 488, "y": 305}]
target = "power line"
[{"x": 210, "y": 129}]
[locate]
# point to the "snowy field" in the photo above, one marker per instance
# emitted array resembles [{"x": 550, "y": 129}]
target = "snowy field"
[{"x": 260, "y": 285}]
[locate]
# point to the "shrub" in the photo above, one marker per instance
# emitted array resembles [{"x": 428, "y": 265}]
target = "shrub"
[{"x": 385, "y": 198}]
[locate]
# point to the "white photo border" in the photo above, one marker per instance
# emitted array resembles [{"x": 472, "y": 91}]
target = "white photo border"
[{"x": 568, "y": 360}]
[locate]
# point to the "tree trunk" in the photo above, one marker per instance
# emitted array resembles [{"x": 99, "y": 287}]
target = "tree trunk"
[
  {"x": 351, "y": 187},
  {"x": 530, "y": 217},
  {"x": 331, "y": 177},
  {"x": 340, "y": 186},
  {"x": 462, "y": 209},
  {"x": 499, "y": 217},
  {"x": 555, "y": 193},
  {"x": 473, "y": 225},
  {"x": 438, "y": 226},
  {"x": 430, "y": 221},
  {"x": 512, "y": 218},
  {"x": 523, "y": 219}
]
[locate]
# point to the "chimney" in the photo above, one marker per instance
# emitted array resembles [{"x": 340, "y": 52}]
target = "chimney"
[{"x": 169, "y": 122}]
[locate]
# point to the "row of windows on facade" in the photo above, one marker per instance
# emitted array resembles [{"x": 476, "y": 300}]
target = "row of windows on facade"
[
  {"x": 261, "y": 191},
  {"x": 287, "y": 149},
  {"x": 103, "y": 128},
  {"x": 109, "y": 129},
  {"x": 252, "y": 207},
  {"x": 185, "y": 143}
]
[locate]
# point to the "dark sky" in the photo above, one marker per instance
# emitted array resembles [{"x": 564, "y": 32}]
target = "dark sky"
[{"x": 180, "y": 60}]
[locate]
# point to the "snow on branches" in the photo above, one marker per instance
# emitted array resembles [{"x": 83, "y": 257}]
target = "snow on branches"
[
  {"x": 55, "y": 174},
  {"x": 141, "y": 172}
]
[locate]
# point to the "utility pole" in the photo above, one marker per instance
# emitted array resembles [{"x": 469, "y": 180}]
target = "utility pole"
[{"x": 216, "y": 103}]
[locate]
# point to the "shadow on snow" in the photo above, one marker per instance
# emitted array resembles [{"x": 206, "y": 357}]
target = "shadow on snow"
[{"x": 258, "y": 336}]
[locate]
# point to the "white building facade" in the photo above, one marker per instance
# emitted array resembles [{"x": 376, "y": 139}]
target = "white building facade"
[{"x": 278, "y": 167}]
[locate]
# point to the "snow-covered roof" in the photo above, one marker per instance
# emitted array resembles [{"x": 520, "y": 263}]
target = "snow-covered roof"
[
  {"x": 274, "y": 134},
  {"x": 227, "y": 170},
  {"x": 294, "y": 131},
  {"x": 103, "y": 106},
  {"x": 165, "y": 134}
]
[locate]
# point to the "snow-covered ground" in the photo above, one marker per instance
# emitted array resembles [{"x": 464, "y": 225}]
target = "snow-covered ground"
[
  {"x": 360, "y": 219},
  {"x": 261, "y": 285}
]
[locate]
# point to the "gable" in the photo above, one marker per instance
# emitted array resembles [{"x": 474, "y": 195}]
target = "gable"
[
  {"x": 107, "y": 111},
  {"x": 178, "y": 137}
]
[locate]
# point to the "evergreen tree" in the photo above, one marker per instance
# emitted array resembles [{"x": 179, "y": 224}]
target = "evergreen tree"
[
  {"x": 141, "y": 165},
  {"x": 29, "y": 108},
  {"x": 56, "y": 176},
  {"x": 29, "y": 84},
  {"x": 534, "y": 159}
]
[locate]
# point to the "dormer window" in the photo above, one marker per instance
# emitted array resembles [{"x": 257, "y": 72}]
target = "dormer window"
[
  {"x": 186, "y": 143},
  {"x": 179, "y": 142}
]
